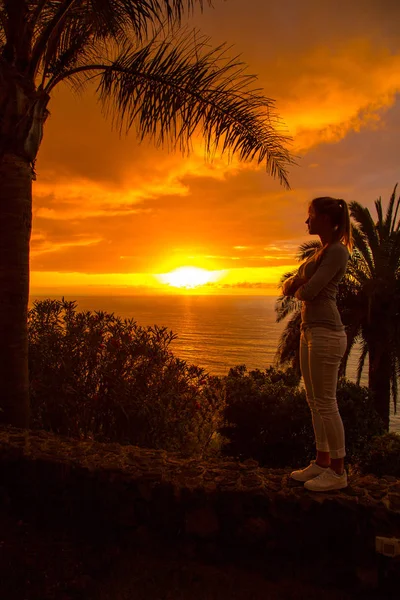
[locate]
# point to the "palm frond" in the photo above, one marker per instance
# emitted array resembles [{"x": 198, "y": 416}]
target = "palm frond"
[
  {"x": 286, "y": 276},
  {"x": 287, "y": 353},
  {"x": 367, "y": 228},
  {"x": 170, "y": 90},
  {"x": 361, "y": 246},
  {"x": 379, "y": 212},
  {"x": 394, "y": 227},
  {"x": 284, "y": 306},
  {"x": 389, "y": 213},
  {"x": 308, "y": 249},
  {"x": 110, "y": 19},
  {"x": 358, "y": 270},
  {"x": 352, "y": 337},
  {"x": 74, "y": 45},
  {"x": 394, "y": 258}
]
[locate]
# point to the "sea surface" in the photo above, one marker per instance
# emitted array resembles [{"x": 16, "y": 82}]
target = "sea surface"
[{"x": 214, "y": 332}]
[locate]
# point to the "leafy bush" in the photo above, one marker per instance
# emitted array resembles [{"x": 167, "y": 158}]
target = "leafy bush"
[
  {"x": 381, "y": 456},
  {"x": 360, "y": 419},
  {"x": 95, "y": 375},
  {"x": 268, "y": 418}
]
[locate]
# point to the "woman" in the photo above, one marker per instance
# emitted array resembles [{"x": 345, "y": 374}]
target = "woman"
[{"x": 323, "y": 339}]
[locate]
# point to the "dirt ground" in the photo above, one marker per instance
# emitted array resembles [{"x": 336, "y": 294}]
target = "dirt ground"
[{"x": 43, "y": 563}]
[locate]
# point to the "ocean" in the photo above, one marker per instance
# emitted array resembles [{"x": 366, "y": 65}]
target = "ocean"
[{"x": 214, "y": 332}]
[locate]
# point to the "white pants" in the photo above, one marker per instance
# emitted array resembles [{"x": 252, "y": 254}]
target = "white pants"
[{"x": 321, "y": 351}]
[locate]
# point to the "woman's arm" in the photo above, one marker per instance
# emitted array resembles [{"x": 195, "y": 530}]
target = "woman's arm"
[
  {"x": 333, "y": 260},
  {"x": 292, "y": 284}
]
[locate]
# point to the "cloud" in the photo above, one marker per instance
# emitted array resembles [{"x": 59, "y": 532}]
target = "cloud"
[
  {"x": 331, "y": 66},
  {"x": 109, "y": 205}
]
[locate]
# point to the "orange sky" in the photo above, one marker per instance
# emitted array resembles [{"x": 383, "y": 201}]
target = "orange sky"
[{"x": 110, "y": 214}]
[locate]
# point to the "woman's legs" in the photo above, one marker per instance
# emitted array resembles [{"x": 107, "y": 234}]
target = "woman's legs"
[
  {"x": 326, "y": 349},
  {"x": 337, "y": 465},
  {"x": 323, "y": 458}
]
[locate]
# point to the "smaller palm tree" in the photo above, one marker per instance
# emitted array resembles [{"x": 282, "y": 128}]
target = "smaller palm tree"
[
  {"x": 371, "y": 302},
  {"x": 368, "y": 300}
]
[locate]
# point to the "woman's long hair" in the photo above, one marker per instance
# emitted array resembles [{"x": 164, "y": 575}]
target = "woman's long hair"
[{"x": 338, "y": 212}]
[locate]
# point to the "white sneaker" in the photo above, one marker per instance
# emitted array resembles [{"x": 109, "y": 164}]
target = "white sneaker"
[
  {"x": 327, "y": 481},
  {"x": 313, "y": 470}
]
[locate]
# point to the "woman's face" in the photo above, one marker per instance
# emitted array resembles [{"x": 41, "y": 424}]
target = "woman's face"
[{"x": 316, "y": 223}]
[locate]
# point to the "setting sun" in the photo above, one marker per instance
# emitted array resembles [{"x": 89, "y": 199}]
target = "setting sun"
[{"x": 189, "y": 277}]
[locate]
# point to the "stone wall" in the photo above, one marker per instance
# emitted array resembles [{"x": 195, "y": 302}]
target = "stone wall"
[{"x": 216, "y": 506}]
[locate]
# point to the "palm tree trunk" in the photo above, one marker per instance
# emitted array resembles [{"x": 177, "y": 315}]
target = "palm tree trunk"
[
  {"x": 15, "y": 233},
  {"x": 379, "y": 382}
]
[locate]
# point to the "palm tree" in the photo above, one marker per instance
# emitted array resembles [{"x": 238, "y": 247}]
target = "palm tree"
[
  {"x": 170, "y": 85},
  {"x": 368, "y": 299}
]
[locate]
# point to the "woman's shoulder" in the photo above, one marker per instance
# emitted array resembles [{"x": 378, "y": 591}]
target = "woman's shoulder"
[{"x": 338, "y": 251}]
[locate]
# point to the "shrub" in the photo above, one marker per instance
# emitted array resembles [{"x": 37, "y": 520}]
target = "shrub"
[
  {"x": 268, "y": 418},
  {"x": 381, "y": 456},
  {"x": 95, "y": 375},
  {"x": 360, "y": 419}
]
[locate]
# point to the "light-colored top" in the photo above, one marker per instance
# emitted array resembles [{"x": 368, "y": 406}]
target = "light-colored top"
[{"x": 323, "y": 274}]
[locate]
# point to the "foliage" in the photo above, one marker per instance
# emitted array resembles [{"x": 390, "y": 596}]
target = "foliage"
[
  {"x": 373, "y": 298},
  {"x": 150, "y": 75},
  {"x": 381, "y": 456},
  {"x": 360, "y": 419},
  {"x": 268, "y": 418},
  {"x": 95, "y": 375},
  {"x": 167, "y": 82}
]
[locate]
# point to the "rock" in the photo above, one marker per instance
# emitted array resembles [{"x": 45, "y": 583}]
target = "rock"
[
  {"x": 291, "y": 483},
  {"x": 353, "y": 491},
  {"x": 378, "y": 494},
  {"x": 249, "y": 463},
  {"x": 192, "y": 472},
  {"x": 154, "y": 492},
  {"x": 389, "y": 478},
  {"x": 376, "y": 487},
  {"x": 251, "y": 480},
  {"x": 364, "y": 480},
  {"x": 394, "y": 501}
]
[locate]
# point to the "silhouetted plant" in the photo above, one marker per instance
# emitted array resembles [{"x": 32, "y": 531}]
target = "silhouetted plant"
[
  {"x": 167, "y": 84},
  {"x": 381, "y": 456},
  {"x": 268, "y": 418},
  {"x": 95, "y": 375}
]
